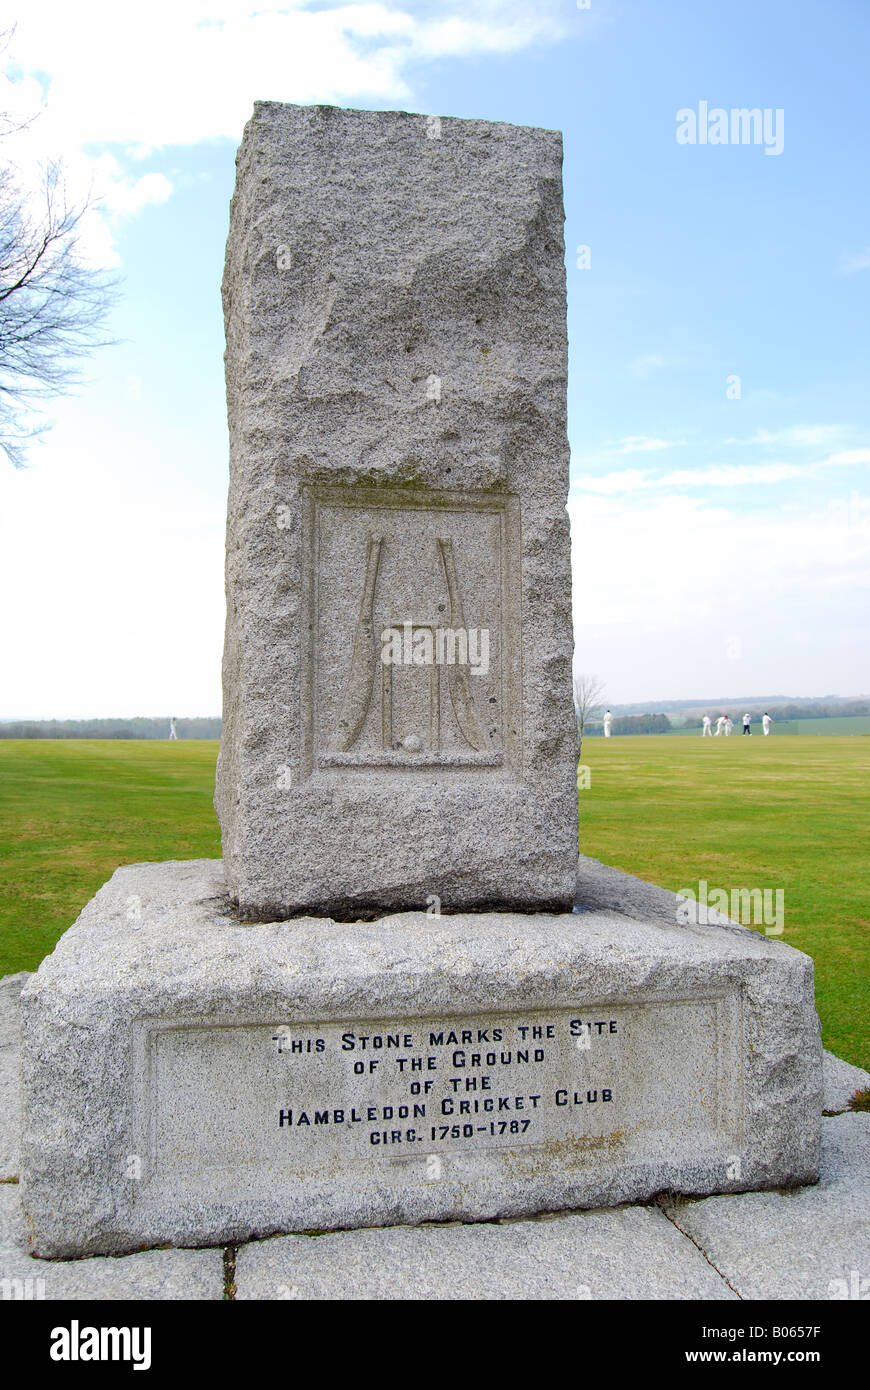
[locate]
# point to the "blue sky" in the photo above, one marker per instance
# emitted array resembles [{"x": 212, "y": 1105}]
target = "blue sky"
[{"x": 721, "y": 531}]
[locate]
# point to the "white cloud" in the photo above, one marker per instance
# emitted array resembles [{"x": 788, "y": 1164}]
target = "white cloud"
[
  {"x": 731, "y": 475},
  {"x": 629, "y": 480},
  {"x": 644, "y": 444},
  {"x": 111, "y": 192},
  {"x": 645, "y": 365},
  {"x": 188, "y": 71},
  {"x": 124, "y": 197},
  {"x": 809, "y": 436},
  {"x": 850, "y": 264},
  {"x": 645, "y": 552},
  {"x": 715, "y": 475},
  {"x": 118, "y": 572},
  {"x": 847, "y": 458},
  {"x": 663, "y": 584},
  {"x": 193, "y": 69}
]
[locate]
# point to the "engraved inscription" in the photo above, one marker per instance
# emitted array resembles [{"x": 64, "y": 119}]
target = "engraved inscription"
[{"x": 370, "y": 1101}]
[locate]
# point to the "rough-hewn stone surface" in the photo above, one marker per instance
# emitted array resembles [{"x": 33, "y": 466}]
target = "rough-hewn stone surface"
[
  {"x": 814, "y": 1243},
  {"x": 396, "y": 373},
  {"x": 139, "y": 1132},
  {"x": 152, "y": 1274},
  {"x": 630, "y": 1253},
  {"x": 10, "y": 1068},
  {"x": 841, "y": 1081}
]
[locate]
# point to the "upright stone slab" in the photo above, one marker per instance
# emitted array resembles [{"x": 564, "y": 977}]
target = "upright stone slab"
[{"x": 396, "y": 370}]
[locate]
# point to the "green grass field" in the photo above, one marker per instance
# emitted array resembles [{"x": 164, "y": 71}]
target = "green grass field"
[
  {"x": 837, "y": 724},
  {"x": 782, "y": 812},
  {"x": 72, "y": 810}
]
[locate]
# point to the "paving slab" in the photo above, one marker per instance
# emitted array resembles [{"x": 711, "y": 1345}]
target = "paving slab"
[
  {"x": 626, "y": 1253},
  {"x": 10, "y": 1072},
  {"x": 841, "y": 1080},
  {"x": 149, "y": 1275},
  {"x": 810, "y": 1243}
]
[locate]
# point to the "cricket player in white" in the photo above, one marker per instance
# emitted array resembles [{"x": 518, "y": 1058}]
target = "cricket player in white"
[
  {"x": 766, "y": 722},
  {"x": 708, "y": 727},
  {"x": 608, "y": 720},
  {"x": 720, "y": 724}
]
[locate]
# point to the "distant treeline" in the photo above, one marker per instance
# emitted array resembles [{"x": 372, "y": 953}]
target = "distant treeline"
[
  {"x": 110, "y": 728},
  {"x": 843, "y": 709},
  {"x": 798, "y": 706}
]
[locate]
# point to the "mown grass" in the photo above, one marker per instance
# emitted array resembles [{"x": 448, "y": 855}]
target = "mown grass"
[
  {"x": 782, "y": 812},
  {"x": 72, "y": 810},
  {"x": 837, "y": 724}
]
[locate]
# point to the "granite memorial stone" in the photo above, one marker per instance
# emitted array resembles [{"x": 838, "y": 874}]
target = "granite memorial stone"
[
  {"x": 399, "y": 735},
  {"x": 398, "y": 721}
]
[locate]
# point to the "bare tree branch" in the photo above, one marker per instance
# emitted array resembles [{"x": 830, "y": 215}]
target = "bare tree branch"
[
  {"x": 52, "y": 304},
  {"x": 588, "y": 690}
]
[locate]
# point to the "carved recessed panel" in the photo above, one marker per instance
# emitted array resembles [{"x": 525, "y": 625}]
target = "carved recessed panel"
[{"x": 412, "y": 618}]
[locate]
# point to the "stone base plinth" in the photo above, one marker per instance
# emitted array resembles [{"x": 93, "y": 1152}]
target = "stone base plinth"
[{"x": 190, "y": 1080}]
